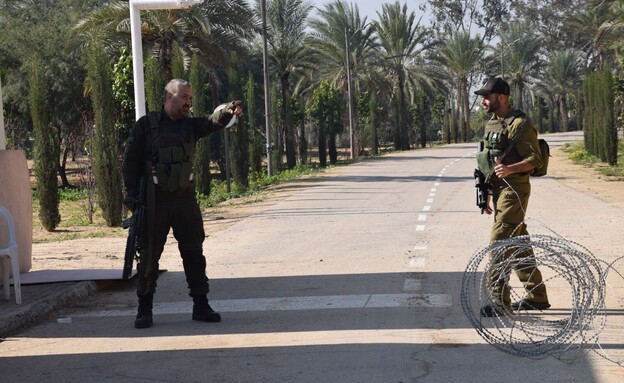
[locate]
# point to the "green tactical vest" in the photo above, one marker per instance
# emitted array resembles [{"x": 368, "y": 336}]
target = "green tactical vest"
[
  {"x": 497, "y": 143},
  {"x": 173, "y": 151}
]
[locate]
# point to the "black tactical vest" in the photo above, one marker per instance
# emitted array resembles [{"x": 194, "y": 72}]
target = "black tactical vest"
[{"x": 173, "y": 149}]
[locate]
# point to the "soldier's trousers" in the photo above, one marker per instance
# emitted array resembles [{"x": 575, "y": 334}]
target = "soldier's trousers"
[
  {"x": 180, "y": 212},
  {"x": 510, "y": 205}
]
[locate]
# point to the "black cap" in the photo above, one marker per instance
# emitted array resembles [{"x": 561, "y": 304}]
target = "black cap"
[{"x": 494, "y": 85}]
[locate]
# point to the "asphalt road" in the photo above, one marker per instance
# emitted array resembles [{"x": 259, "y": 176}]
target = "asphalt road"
[{"x": 356, "y": 277}]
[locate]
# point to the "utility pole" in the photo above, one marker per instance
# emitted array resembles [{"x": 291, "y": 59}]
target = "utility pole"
[
  {"x": 267, "y": 104},
  {"x": 349, "y": 101}
]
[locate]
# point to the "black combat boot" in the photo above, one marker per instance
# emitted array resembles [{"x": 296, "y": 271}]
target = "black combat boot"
[
  {"x": 144, "y": 314},
  {"x": 202, "y": 310}
]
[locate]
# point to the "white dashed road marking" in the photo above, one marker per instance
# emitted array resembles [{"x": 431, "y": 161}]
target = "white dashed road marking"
[{"x": 418, "y": 262}]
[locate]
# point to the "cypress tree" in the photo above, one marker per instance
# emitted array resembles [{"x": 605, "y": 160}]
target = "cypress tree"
[
  {"x": 201, "y": 166},
  {"x": 239, "y": 137},
  {"x": 594, "y": 87},
  {"x": 154, "y": 85},
  {"x": 277, "y": 152},
  {"x": 591, "y": 115},
  {"x": 601, "y": 117},
  {"x": 106, "y": 169},
  {"x": 47, "y": 148},
  {"x": 610, "y": 138},
  {"x": 177, "y": 65},
  {"x": 587, "y": 114}
]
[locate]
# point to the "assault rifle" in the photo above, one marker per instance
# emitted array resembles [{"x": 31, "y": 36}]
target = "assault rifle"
[
  {"x": 136, "y": 232},
  {"x": 482, "y": 189}
]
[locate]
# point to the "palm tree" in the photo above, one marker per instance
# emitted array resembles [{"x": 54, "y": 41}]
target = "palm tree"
[
  {"x": 561, "y": 76},
  {"x": 519, "y": 49},
  {"x": 211, "y": 30},
  {"x": 599, "y": 29},
  {"x": 287, "y": 21},
  {"x": 462, "y": 56},
  {"x": 403, "y": 41},
  {"x": 612, "y": 30},
  {"x": 329, "y": 42}
]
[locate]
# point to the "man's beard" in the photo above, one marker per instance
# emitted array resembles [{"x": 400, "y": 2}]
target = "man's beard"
[
  {"x": 184, "y": 112},
  {"x": 493, "y": 107}
]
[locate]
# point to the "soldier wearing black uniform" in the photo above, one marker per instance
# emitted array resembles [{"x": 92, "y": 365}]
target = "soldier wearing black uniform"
[
  {"x": 161, "y": 149},
  {"x": 509, "y": 154}
]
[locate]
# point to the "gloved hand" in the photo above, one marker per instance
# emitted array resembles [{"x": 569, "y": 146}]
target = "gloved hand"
[
  {"x": 130, "y": 201},
  {"x": 235, "y": 108}
]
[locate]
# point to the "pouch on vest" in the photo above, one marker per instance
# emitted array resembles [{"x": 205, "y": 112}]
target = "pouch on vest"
[
  {"x": 165, "y": 156},
  {"x": 186, "y": 171},
  {"x": 174, "y": 177},
  {"x": 484, "y": 163},
  {"x": 174, "y": 170}
]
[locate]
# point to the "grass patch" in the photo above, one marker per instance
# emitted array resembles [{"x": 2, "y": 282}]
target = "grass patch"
[
  {"x": 219, "y": 193},
  {"x": 577, "y": 153}
]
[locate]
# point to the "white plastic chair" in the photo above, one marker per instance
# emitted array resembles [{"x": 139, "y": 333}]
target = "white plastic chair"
[{"x": 9, "y": 257}]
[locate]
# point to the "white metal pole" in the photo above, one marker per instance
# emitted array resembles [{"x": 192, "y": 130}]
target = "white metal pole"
[
  {"x": 137, "y": 48},
  {"x": 137, "y": 61}
]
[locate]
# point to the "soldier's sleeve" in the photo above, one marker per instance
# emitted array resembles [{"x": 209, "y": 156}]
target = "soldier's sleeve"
[
  {"x": 527, "y": 146},
  {"x": 132, "y": 166}
]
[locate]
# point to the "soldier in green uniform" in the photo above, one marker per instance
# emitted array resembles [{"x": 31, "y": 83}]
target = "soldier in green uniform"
[
  {"x": 507, "y": 157},
  {"x": 160, "y": 149}
]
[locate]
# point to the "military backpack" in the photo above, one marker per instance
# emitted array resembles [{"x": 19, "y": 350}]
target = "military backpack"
[{"x": 545, "y": 152}]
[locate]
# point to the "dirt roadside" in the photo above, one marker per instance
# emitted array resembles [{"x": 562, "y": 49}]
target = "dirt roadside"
[
  {"x": 585, "y": 179},
  {"x": 104, "y": 252}
]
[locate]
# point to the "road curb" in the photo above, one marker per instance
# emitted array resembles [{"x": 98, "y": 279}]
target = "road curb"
[{"x": 43, "y": 308}]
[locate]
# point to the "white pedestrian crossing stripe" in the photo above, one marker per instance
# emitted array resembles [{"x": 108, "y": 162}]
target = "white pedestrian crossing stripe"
[{"x": 362, "y": 301}]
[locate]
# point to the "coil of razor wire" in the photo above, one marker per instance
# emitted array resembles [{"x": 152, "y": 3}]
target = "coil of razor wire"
[{"x": 562, "y": 332}]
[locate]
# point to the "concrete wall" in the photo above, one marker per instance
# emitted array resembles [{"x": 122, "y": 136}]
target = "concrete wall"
[{"x": 16, "y": 196}]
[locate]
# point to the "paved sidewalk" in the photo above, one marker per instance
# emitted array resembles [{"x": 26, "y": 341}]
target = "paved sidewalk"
[{"x": 40, "y": 301}]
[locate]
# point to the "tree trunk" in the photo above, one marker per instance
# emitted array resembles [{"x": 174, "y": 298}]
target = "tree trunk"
[
  {"x": 322, "y": 145},
  {"x": 465, "y": 107},
  {"x": 401, "y": 107},
  {"x": 289, "y": 131},
  {"x": 166, "y": 54},
  {"x": 303, "y": 143},
  {"x": 373, "y": 122},
  {"x": 333, "y": 152},
  {"x": 519, "y": 92},
  {"x": 62, "y": 169},
  {"x": 457, "y": 114},
  {"x": 563, "y": 112}
]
